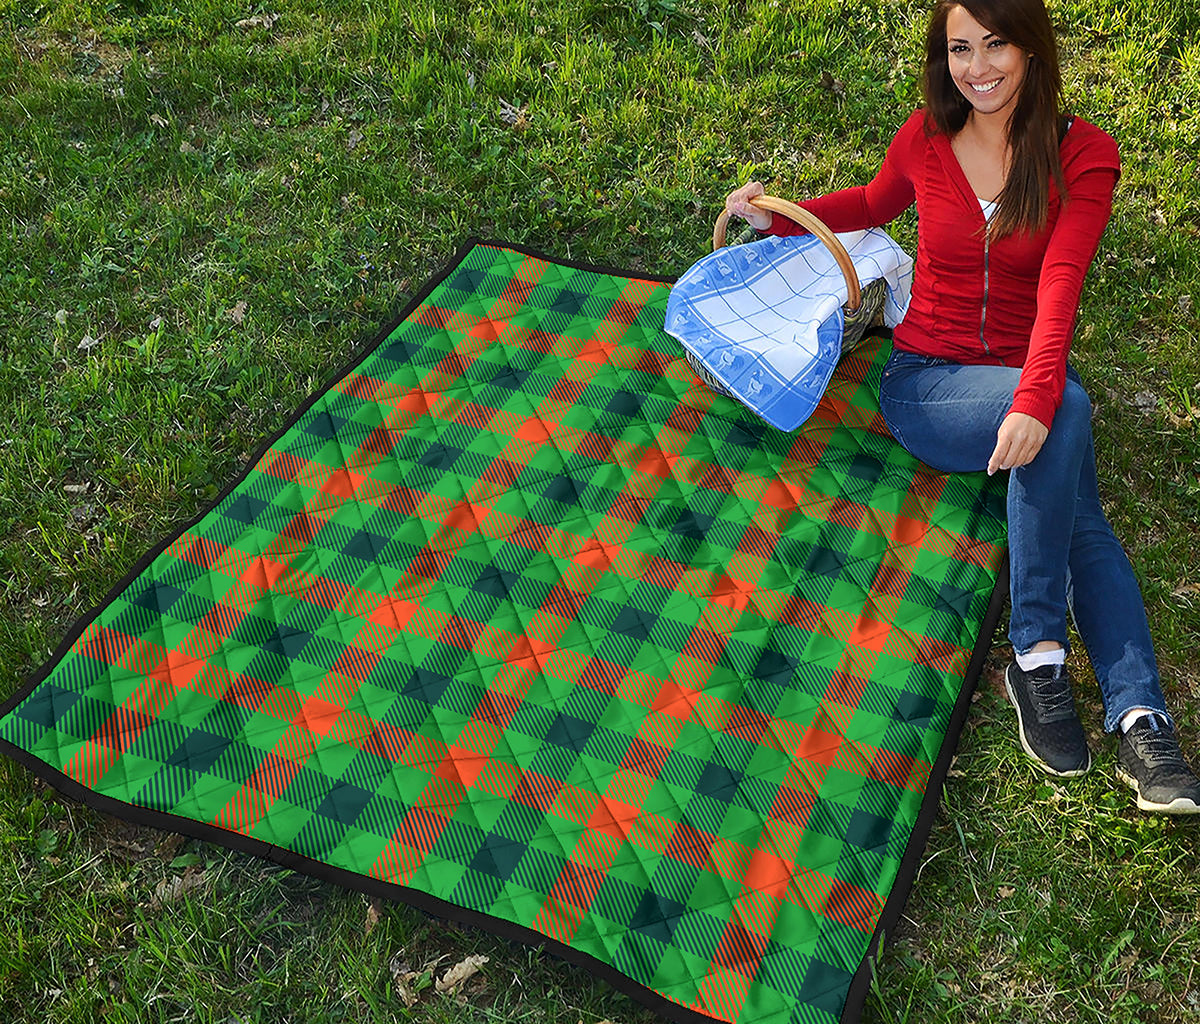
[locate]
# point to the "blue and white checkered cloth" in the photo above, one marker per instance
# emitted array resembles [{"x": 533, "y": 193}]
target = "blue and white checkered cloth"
[{"x": 765, "y": 319}]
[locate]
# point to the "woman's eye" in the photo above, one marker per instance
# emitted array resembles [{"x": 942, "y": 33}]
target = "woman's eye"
[{"x": 993, "y": 45}]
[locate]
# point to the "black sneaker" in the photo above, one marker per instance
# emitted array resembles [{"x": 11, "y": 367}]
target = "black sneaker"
[
  {"x": 1149, "y": 760},
  {"x": 1050, "y": 729}
]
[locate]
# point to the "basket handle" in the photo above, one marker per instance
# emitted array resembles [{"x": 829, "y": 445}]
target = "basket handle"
[{"x": 805, "y": 219}]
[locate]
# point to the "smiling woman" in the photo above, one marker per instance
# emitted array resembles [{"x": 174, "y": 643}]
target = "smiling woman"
[{"x": 1012, "y": 198}]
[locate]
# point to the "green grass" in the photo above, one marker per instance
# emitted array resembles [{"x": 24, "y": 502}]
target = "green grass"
[{"x": 227, "y": 212}]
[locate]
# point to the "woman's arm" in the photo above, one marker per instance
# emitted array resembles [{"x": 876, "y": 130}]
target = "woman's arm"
[{"x": 1072, "y": 247}]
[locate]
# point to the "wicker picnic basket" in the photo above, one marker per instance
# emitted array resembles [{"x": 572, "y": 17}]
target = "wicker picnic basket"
[{"x": 861, "y": 309}]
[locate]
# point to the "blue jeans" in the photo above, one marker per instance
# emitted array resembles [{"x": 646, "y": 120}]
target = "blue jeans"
[{"x": 1062, "y": 551}]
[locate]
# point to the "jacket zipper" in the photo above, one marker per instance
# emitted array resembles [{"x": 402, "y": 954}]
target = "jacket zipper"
[{"x": 983, "y": 310}]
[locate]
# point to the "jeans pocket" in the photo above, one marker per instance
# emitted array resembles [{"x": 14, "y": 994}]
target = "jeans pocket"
[{"x": 900, "y": 362}]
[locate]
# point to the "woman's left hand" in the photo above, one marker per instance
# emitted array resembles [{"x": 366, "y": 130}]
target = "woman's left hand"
[{"x": 1018, "y": 440}]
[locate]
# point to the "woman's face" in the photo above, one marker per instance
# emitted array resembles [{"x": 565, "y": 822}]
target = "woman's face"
[{"x": 987, "y": 69}]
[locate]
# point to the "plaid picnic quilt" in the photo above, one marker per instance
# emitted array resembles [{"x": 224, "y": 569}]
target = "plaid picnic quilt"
[{"x": 518, "y": 621}]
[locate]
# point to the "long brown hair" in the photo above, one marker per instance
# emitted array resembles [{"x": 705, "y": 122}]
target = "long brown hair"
[{"x": 1036, "y": 125}]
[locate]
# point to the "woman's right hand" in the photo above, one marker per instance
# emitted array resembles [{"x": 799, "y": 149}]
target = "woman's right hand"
[{"x": 737, "y": 204}]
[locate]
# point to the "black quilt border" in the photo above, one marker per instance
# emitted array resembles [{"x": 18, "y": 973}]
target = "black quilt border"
[{"x": 863, "y": 978}]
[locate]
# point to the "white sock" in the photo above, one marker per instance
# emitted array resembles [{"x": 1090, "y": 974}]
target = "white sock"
[
  {"x": 1130, "y": 717},
  {"x": 1036, "y": 659}
]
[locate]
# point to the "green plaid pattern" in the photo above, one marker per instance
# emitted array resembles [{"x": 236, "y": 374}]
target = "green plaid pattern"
[{"x": 521, "y": 616}]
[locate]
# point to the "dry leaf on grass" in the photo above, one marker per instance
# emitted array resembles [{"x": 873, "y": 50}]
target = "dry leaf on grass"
[
  {"x": 1145, "y": 401},
  {"x": 513, "y": 115},
  {"x": 410, "y": 982},
  {"x": 238, "y": 313},
  {"x": 460, "y": 972},
  {"x": 833, "y": 85},
  {"x": 404, "y": 988},
  {"x": 171, "y": 889},
  {"x": 404, "y": 978},
  {"x": 257, "y": 21},
  {"x": 374, "y": 910}
]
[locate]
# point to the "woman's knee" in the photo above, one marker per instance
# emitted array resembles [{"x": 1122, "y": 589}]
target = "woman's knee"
[{"x": 1073, "y": 420}]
